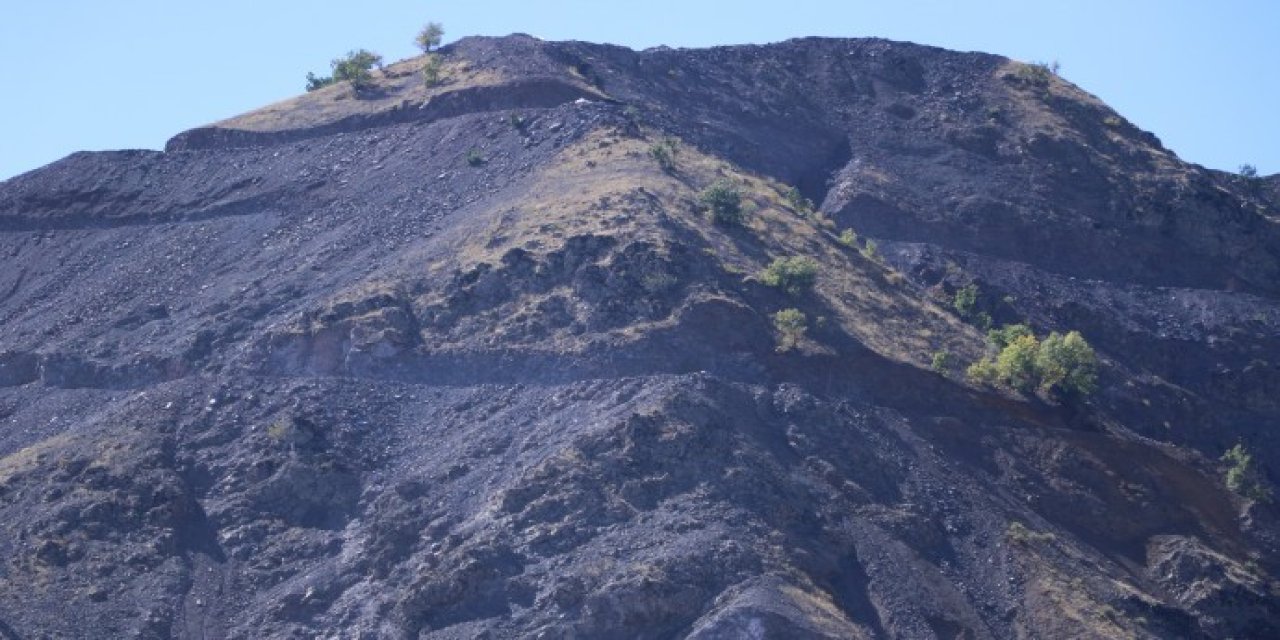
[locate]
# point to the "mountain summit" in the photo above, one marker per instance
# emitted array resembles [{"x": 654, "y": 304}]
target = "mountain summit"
[{"x": 820, "y": 339}]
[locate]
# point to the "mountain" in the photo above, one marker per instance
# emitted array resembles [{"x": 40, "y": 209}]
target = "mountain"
[{"x": 502, "y": 357}]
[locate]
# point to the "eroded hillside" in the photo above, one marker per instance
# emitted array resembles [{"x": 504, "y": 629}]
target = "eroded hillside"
[{"x": 477, "y": 360}]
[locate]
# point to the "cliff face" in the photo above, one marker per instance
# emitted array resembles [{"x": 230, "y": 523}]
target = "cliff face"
[{"x": 464, "y": 360}]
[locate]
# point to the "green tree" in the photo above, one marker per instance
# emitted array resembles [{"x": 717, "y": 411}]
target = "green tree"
[
  {"x": 1242, "y": 477},
  {"x": 1067, "y": 363},
  {"x": 1252, "y": 181},
  {"x": 791, "y": 325},
  {"x": 432, "y": 69},
  {"x": 724, "y": 201},
  {"x": 355, "y": 67},
  {"x": 1016, "y": 364},
  {"x": 1059, "y": 363},
  {"x": 1002, "y": 337},
  {"x": 430, "y": 36},
  {"x": 795, "y": 275},
  {"x": 982, "y": 371},
  {"x": 965, "y": 299}
]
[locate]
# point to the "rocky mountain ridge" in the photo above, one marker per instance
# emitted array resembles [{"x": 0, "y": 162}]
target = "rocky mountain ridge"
[{"x": 465, "y": 360}]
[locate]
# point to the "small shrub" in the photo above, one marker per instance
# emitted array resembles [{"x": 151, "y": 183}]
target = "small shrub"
[
  {"x": 791, "y": 325},
  {"x": 820, "y": 219},
  {"x": 317, "y": 82},
  {"x": 1016, "y": 364},
  {"x": 795, "y": 275},
  {"x": 982, "y": 371},
  {"x": 1067, "y": 363},
  {"x": 982, "y": 320},
  {"x": 1000, "y": 338},
  {"x": 943, "y": 362},
  {"x": 1242, "y": 477},
  {"x": 965, "y": 299},
  {"x": 871, "y": 251},
  {"x": 432, "y": 69},
  {"x": 355, "y": 68},
  {"x": 1037, "y": 74},
  {"x": 798, "y": 202},
  {"x": 664, "y": 152},
  {"x": 724, "y": 201},
  {"x": 1019, "y": 533},
  {"x": 1112, "y": 121},
  {"x": 475, "y": 158},
  {"x": 849, "y": 238},
  {"x": 1253, "y": 183},
  {"x": 430, "y": 36}
]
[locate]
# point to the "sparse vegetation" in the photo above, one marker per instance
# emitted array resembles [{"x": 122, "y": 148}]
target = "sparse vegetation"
[
  {"x": 355, "y": 67},
  {"x": 965, "y": 299},
  {"x": 724, "y": 201},
  {"x": 1065, "y": 364},
  {"x": 1020, "y": 534},
  {"x": 1000, "y": 338},
  {"x": 432, "y": 69},
  {"x": 1242, "y": 477},
  {"x": 664, "y": 152},
  {"x": 849, "y": 238},
  {"x": 794, "y": 275},
  {"x": 982, "y": 320},
  {"x": 430, "y": 37},
  {"x": 965, "y": 302},
  {"x": 1037, "y": 74},
  {"x": 820, "y": 219},
  {"x": 943, "y": 362},
  {"x": 982, "y": 372},
  {"x": 871, "y": 251},
  {"x": 1252, "y": 181},
  {"x": 791, "y": 325},
  {"x": 1016, "y": 363},
  {"x": 798, "y": 202},
  {"x": 318, "y": 82}
]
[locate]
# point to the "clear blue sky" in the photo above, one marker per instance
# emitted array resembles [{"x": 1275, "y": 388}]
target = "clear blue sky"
[{"x": 95, "y": 74}]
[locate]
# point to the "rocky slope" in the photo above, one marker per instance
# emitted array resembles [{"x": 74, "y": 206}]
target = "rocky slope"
[{"x": 465, "y": 361}]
